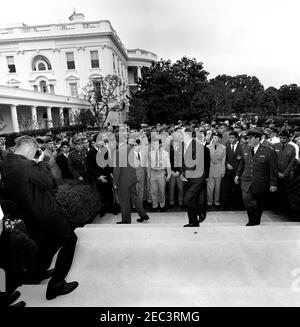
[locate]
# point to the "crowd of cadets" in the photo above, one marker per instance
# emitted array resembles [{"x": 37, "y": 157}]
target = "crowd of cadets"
[{"x": 158, "y": 155}]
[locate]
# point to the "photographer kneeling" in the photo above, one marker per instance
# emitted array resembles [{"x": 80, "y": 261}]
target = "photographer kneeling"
[{"x": 30, "y": 185}]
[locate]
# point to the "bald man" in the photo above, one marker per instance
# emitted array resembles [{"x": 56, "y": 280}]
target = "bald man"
[{"x": 30, "y": 186}]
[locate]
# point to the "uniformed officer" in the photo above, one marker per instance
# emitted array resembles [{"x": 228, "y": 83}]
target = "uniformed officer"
[
  {"x": 285, "y": 155},
  {"x": 259, "y": 175},
  {"x": 77, "y": 160}
]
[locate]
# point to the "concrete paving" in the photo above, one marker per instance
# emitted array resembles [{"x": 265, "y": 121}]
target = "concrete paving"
[{"x": 159, "y": 263}]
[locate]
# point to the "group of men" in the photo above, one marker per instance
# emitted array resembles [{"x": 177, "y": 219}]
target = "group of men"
[{"x": 205, "y": 165}]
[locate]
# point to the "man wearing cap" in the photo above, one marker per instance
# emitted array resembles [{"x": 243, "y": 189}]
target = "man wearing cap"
[
  {"x": 259, "y": 175},
  {"x": 285, "y": 155},
  {"x": 77, "y": 160},
  {"x": 273, "y": 137}
]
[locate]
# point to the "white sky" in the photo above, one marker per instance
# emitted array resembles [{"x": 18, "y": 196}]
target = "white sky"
[{"x": 254, "y": 37}]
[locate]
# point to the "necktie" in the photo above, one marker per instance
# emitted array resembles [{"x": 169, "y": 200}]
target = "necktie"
[
  {"x": 156, "y": 158},
  {"x": 215, "y": 147},
  {"x": 138, "y": 155},
  {"x": 252, "y": 151},
  {"x": 283, "y": 146},
  {"x": 232, "y": 148}
]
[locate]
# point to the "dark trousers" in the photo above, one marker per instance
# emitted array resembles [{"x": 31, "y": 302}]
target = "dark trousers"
[
  {"x": 63, "y": 239},
  {"x": 126, "y": 195},
  {"x": 194, "y": 200},
  {"x": 254, "y": 204},
  {"x": 231, "y": 193},
  {"x": 106, "y": 193}
]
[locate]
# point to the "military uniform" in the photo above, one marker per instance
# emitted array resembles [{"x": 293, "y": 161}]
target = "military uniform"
[
  {"x": 77, "y": 164},
  {"x": 285, "y": 155},
  {"x": 257, "y": 174}
]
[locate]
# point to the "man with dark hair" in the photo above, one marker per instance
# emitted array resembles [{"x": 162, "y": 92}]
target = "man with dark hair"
[
  {"x": 231, "y": 194},
  {"x": 194, "y": 172},
  {"x": 30, "y": 186},
  {"x": 259, "y": 175},
  {"x": 62, "y": 160}
]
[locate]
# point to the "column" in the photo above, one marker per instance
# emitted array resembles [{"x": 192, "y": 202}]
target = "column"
[
  {"x": 71, "y": 118},
  {"x": 34, "y": 117},
  {"x": 14, "y": 118},
  {"x": 61, "y": 116},
  {"x": 49, "y": 118},
  {"x": 139, "y": 72}
]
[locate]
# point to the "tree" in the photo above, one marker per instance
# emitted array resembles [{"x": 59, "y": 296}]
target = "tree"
[
  {"x": 105, "y": 94},
  {"x": 166, "y": 91},
  {"x": 289, "y": 96},
  {"x": 270, "y": 101}
]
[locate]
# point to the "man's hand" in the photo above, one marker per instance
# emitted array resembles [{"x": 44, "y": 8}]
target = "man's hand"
[
  {"x": 168, "y": 178},
  {"x": 236, "y": 179},
  {"x": 102, "y": 179},
  {"x": 273, "y": 189},
  {"x": 183, "y": 178},
  {"x": 41, "y": 157},
  {"x": 280, "y": 175},
  {"x": 229, "y": 167},
  {"x": 115, "y": 187},
  {"x": 80, "y": 178}
]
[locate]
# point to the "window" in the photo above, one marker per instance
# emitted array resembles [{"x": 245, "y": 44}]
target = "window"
[
  {"x": 70, "y": 60},
  {"x": 51, "y": 86},
  {"x": 94, "y": 59},
  {"x": 41, "y": 66},
  {"x": 43, "y": 87},
  {"x": 74, "y": 90},
  {"x": 35, "y": 88},
  {"x": 40, "y": 63},
  {"x": 11, "y": 64}
]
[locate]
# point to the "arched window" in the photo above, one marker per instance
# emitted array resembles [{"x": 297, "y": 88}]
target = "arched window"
[
  {"x": 43, "y": 86},
  {"x": 41, "y": 63}
]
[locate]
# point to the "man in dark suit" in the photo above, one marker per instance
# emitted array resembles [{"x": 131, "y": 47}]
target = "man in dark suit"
[
  {"x": 194, "y": 172},
  {"x": 259, "y": 175},
  {"x": 231, "y": 193},
  {"x": 124, "y": 181},
  {"x": 30, "y": 186},
  {"x": 62, "y": 160},
  {"x": 99, "y": 169}
]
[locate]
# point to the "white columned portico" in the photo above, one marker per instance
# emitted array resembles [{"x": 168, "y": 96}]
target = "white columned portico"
[
  {"x": 61, "y": 116},
  {"x": 14, "y": 118},
  {"x": 34, "y": 117},
  {"x": 49, "y": 117}
]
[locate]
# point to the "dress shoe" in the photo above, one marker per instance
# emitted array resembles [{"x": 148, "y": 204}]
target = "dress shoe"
[
  {"x": 202, "y": 217},
  {"x": 20, "y": 304},
  {"x": 11, "y": 298},
  {"x": 191, "y": 225},
  {"x": 122, "y": 222},
  {"x": 141, "y": 219},
  {"x": 252, "y": 224},
  {"x": 61, "y": 289}
]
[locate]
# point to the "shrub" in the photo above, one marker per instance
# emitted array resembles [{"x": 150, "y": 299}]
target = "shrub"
[{"x": 82, "y": 202}]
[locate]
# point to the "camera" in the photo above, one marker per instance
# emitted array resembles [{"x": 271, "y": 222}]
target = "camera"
[{"x": 38, "y": 154}]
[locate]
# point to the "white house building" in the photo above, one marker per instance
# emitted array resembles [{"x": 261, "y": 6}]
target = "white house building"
[{"x": 60, "y": 59}]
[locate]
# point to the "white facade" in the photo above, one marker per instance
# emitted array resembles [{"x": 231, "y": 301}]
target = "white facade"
[{"x": 62, "y": 58}]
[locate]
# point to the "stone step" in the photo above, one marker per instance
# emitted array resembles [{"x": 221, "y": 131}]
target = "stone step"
[{"x": 215, "y": 266}]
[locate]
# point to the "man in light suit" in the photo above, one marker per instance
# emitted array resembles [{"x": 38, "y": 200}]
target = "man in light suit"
[
  {"x": 217, "y": 170},
  {"x": 194, "y": 172},
  {"x": 259, "y": 175},
  {"x": 124, "y": 180}
]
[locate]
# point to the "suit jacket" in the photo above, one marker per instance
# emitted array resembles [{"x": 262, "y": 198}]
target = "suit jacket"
[
  {"x": 31, "y": 186},
  {"x": 285, "y": 158},
  {"x": 124, "y": 173},
  {"x": 191, "y": 160},
  {"x": 62, "y": 163},
  {"x": 98, "y": 164},
  {"x": 233, "y": 158},
  {"x": 258, "y": 173},
  {"x": 217, "y": 160}
]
